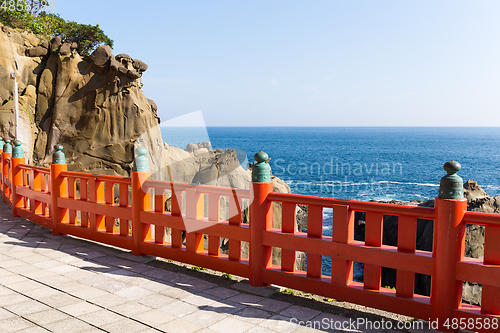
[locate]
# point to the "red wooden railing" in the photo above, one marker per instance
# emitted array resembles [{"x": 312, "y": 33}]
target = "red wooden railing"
[{"x": 83, "y": 205}]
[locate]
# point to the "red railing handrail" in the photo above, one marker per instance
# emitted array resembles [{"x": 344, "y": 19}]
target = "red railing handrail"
[
  {"x": 479, "y": 218},
  {"x": 34, "y": 168},
  {"x": 208, "y": 189},
  {"x": 104, "y": 178},
  {"x": 359, "y": 206}
]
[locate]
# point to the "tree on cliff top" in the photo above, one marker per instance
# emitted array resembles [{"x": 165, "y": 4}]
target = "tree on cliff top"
[{"x": 87, "y": 36}]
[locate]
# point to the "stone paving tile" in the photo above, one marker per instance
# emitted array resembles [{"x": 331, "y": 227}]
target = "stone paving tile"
[
  {"x": 11, "y": 279},
  {"x": 156, "y": 301},
  {"x": 231, "y": 325},
  {"x": 129, "y": 309},
  {"x": 101, "y": 318},
  {"x": 34, "y": 258},
  {"x": 200, "y": 299},
  {"x": 246, "y": 299},
  {"x": 300, "y": 312},
  {"x": 331, "y": 321},
  {"x": 252, "y": 315},
  {"x": 204, "y": 318},
  {"x": 175, "y": 292},
  {"x": 180, "y": 326},
  {"x": 88, "y": 292},
  {"x": 154, "y": 285},
  {"x": 207, "y": 330},
  {"x": 79, "y": 275},
  {"x": 4, "y": 291},
  {"x": 14, "y": 324},
  {"x": 179, "y": 309},
  {"x": 28, "y": 307},
  {"x": 198, "y": 284},
  {"x": 33, "y": 329},
  {"x": 46, "y": 317},
  {"x": 223, "y": 306},
  {"x": 79, "y": 308},
  {"x": 25, "y": 286},
  {"x": 113, "y": 286},
  {"x": 278, "y": 323},
  {"x": 108, "y": 301},
  {"x": 221, "y": 292},
  {"x": 124, "y": 326},
  {"x": 12, "y": 299},
  {"x": 272, "y": 305},
  {"x": 59, "y": 300},
  {"x": 260, "y": 329},
  {"x": 154, "y": 317},
  {"x": 134, "y": 293},
  {"x": 71, "y": 325},
  {"x": 64, "y": 268},
  {"x": 4, "y": 314},
  {"x": 38, "y": 274}
]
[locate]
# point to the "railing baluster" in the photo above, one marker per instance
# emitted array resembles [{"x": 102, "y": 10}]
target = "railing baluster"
[
  {"x": 36, "y": 185},
  {"x": 214, "y": 216},
  {"x": 124, "y": 224},
  {"x": 72, "y": 195},
  {"x": 96, "y": 195},
  {"x": 234, "y": 219},
  {"x": 194, "y": 211},
  {"x": 110, "y": 200},
  {"x": 176, "y": 210},
  {"x": 343, "y": 232},
  {"x": 490, "y": 301},
  {"x": 314, "y": 230},
  {"x": 407, "y": 242},
  {"x": 84, "y": 194},
  {"x": 159, "y": 208},
  {"x": 373, "y": 237},
  {"x": 289, "y": 226}
]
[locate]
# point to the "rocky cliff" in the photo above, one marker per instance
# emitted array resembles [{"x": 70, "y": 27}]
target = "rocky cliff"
[{"x": 95, "y": 107}]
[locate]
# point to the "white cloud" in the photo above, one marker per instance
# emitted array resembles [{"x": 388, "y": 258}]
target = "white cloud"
[{"x": 275, "y": 82}]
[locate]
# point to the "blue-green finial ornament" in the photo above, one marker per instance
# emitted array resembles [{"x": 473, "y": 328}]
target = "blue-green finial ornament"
[
  {"x": 7, "y": 148},
  {"x": 452, "y": 185},
  {"x": 141, "y": 162},
  {"x": 1, "y": 143},
  {"x": 58, "y": 156},
  {"x": 17, "y": 152},
  {"x": 261, "y": 171}
]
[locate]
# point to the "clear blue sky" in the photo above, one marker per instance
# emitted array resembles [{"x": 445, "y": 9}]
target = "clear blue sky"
[{"x": 311, "y": 63}]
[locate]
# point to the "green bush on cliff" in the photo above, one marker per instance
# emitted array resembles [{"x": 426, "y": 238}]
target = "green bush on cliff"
[{"x": 87, "y": 36}]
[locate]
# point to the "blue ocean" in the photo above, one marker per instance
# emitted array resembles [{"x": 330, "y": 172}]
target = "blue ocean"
[{"x": 360, "y": 163}]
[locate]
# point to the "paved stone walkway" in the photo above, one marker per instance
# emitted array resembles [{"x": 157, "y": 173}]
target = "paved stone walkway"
[{"x": 63, "y": 284}]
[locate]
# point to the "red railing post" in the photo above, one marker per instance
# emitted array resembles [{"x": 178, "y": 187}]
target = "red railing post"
[
  {"x": 6, "y": 154},
  {"x": 448, "y": 249},
  {"x": 140, "y": 174},
  {"x": 59, "y": 188},
  {"x": 260, "y": 219},
  {"x": 17, "y": 176}
]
